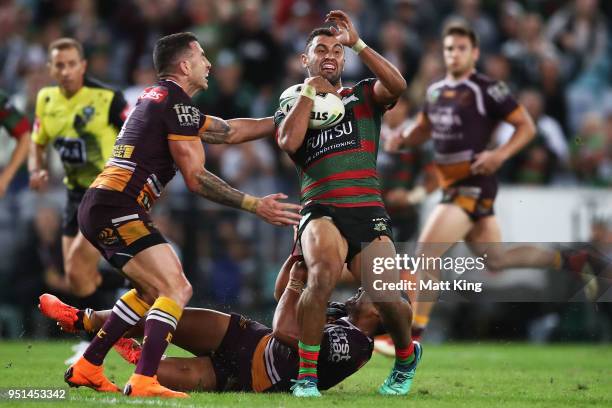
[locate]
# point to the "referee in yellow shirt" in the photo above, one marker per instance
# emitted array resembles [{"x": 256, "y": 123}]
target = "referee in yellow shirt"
[{"x": 80, "y": 118}]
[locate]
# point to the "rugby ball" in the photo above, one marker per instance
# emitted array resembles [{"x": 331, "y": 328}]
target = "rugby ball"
[{"x": 327, "y": 110}]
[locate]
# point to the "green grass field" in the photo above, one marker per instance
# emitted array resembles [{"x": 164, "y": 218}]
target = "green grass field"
[{"x": 470, "y": 375}]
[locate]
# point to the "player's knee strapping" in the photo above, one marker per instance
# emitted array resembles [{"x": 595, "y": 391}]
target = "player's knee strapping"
[{"x": 162, "y": 319}]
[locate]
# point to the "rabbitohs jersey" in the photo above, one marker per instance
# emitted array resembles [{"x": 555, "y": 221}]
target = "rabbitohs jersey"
[{"x": 337, "y": 166}]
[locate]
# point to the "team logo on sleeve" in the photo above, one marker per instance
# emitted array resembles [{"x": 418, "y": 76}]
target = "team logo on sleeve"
[
  {"x": 156, "y": 94},
  {"x": 187, "y": 115},
  {"x": 498, "y": 91},
  {"x": 123, "y": 151}
]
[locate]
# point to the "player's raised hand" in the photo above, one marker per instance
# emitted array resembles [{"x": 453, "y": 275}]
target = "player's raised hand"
[
  {"x": 344, "y": 31},
  {"x": 320, "y": 84},
  {"x": 487, "y": 163},
  {"x": 273, "y": 211},
  {"x": 299, "y": 272},
  {"x": 39, "y": 180}
]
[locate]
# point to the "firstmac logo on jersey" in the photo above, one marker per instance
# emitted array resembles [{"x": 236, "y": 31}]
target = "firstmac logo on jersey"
[
  {"x": 339, "y": 346},
  {"x": 187, "y": 115}
]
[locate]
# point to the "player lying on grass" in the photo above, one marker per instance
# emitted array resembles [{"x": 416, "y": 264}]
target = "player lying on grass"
[{"x": 233, "y": 353}]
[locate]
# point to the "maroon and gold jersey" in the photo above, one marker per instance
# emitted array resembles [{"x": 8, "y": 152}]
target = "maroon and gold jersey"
[
  {"x": 463, "y": 116},
  {"x": 337, "y": 166},
  {"x": 344, "y": 350},
  {"x": 141, "y": 164}
]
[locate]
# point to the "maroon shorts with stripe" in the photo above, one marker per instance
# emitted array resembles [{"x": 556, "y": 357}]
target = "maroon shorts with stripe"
[
  {"x": 116, "y": 225},
  {"x": 474, "y": 195}
]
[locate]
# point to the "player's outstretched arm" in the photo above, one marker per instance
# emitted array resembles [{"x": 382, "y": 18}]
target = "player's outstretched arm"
[
  {"x": 268, "y": 208},
  {"x": 489, "y": 161},
  {"x": 390, "y": 82},
  {"x": 234, "y": 131},
  {"x": 189, "y": 157},
  {"x": 285, "y": 323}
]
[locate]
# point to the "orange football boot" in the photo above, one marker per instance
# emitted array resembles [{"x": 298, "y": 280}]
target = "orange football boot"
[
  {"x": 145, "y": 386},
  {"x": 65, "y": 315},
  {"x": 84, "y": 374},
  {"x": 129, "y": 349}
]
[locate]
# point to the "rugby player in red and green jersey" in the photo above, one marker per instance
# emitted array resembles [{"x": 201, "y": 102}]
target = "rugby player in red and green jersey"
[
  {"x": 18, "y": 126},
  {"x": 341, "y": 195}
]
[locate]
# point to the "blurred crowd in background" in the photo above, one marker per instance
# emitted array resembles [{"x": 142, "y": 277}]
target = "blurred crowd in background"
[{"x": 556, "y": 56}]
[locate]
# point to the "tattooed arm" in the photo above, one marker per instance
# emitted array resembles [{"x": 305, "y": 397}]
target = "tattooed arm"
[
  {"x": 189, "y": 157},
  {"x": 215, "y": 189},
  {"x": 216, "y": 130}
]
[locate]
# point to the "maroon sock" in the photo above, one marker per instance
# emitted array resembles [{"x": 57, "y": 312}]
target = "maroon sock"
[
  {"x": 159, "y": 328},
  {"x": 119, "y": 321}
]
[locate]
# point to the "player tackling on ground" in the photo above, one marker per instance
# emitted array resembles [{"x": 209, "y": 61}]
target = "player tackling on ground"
[
  {"x": 233, "y": 353},
  {"x": 460, "y": 114},
  {"x": 341, "y": 193},
  {"x": 161, "y": 134}
]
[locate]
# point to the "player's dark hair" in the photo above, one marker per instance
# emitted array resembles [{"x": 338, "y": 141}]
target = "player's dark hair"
[
  {"x": 168, "y": 49},
  {"x": 326, "y": 31},
  {"x": 462, "y": 30},
  {"x": 66, "y": 43},
  {"x": 336, "y": 310}
]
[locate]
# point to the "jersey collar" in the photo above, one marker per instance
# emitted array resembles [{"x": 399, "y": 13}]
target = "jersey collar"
[{"x": 453, "y": 82}]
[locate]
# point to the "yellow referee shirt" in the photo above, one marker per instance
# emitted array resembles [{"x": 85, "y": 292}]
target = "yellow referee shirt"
[{"x": 82, "y": 128}]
